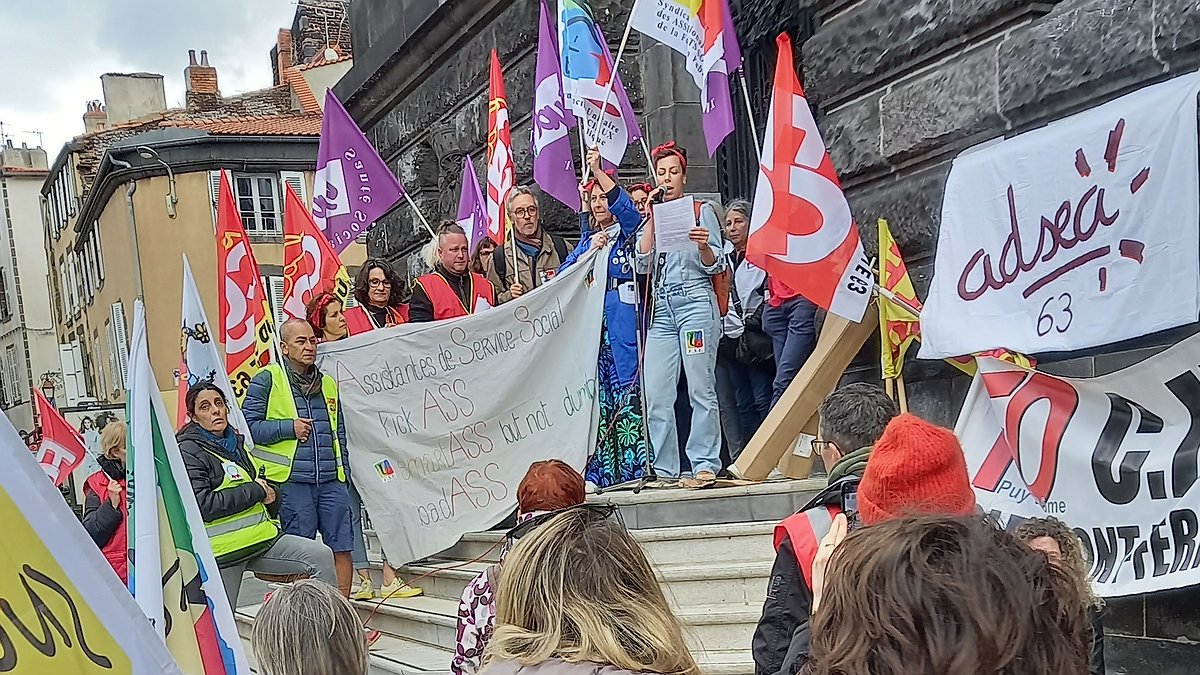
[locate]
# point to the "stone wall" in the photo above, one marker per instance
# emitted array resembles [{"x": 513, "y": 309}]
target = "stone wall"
[{"x": 902, "y": 87}]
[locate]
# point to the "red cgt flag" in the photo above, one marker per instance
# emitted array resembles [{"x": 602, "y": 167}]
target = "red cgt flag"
[
  {"x": 310, "y": 263},
  {"x": 246, "y": 328},
  {"x": 62, "y": 447},
  {"x": 802, "y": 232},
  {"x": 499, "y": 154}
]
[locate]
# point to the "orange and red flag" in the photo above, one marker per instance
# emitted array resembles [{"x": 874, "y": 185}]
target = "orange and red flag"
[
  {"x": 246, "y": 327},
  {"x": 310, "y": 264}
]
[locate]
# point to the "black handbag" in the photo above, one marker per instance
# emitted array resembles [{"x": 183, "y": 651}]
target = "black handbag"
[{"x": 754, "y": 346}]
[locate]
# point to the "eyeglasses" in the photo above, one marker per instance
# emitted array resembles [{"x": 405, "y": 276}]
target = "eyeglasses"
[
  {"x": 376, "y": 283},
  {"x": 819, "y": 446},
  {"x": 595, "y": 511},
  {"x": 524, "y": 211}
]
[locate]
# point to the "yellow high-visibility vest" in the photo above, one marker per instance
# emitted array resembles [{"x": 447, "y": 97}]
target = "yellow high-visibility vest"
[
  {"x": 276, "y": 459},
  {"x": 242, "y": 530}
]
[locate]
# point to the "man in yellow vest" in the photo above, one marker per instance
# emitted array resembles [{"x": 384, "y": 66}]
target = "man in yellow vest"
[
  {"x": 238, "y": 509},
  {"x": 300, "y": 443}
]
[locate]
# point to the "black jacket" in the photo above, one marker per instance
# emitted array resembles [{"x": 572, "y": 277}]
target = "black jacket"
[
  {"x": 205, "y": 472},
  {"x": 420, "y": 307},
  {"x": 100, "y": 519},
  {"x": 789, "y": 599}
]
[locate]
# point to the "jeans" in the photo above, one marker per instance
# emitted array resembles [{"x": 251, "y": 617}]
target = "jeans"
[
  {"x": 289, "y": 555},
  {"x": 686, "y": 328},
  {"x": 744, "y": 393},
  {"x": 793, "y": 331}
]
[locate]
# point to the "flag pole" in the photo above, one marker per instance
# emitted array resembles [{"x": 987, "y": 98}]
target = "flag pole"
[
  {"x": 420, "y": 215},
  {"x": 897, "y": 300},
  {"x": 750, "y": 113}
]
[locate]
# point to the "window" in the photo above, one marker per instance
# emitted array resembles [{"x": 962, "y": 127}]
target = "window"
[
  {"x": 5, "y": 308},
  {"x": 258, "y": 203},
  {"x": 11, "y": 374},
  {"x": 69, "y": 285}
]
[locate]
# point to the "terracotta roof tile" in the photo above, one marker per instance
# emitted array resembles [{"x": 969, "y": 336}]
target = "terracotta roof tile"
[
  {"x": 24, "y": 169},
  {"x": 304, "y": 93},
  {"x": 260, "y": 125},
  {"x": 319, "y": 60}
]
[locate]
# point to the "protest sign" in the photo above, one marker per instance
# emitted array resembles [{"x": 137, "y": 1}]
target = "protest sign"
[
  {"x": 1048, "y": 237},
  {"x": 65, "y": 611},
  {"x": 1115, "y": 457},
  {"x": 443, "y": 419}
]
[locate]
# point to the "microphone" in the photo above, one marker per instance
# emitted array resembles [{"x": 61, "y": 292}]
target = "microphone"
[{"x": 658, "y": 194}]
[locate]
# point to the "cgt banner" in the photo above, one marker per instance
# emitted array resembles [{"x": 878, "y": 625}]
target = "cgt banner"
[
  {"x": 1046, "y": 237},
  {"x": 1115, "y": 457},
  {"x": 64, "y": 610},
  {"x": 443, "y": 419}
]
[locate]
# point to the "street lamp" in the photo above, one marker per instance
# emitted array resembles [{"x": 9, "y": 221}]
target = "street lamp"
[
  {"x": 148, "y": 152},
  {"x": 48, "y": 387}
]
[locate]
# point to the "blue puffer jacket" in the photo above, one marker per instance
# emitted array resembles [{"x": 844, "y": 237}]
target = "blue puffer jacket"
[{"x": 314, "y": 461}]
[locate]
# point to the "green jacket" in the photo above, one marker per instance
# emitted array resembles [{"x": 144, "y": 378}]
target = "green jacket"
[{"x": 852, "y": 464}]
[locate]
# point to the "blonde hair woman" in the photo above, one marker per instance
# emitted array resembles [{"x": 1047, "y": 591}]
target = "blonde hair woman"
[
  {"x": 308, "y": 628},
  {"x": 578, "y": 594},
  {"x": 105, "y": 510}
]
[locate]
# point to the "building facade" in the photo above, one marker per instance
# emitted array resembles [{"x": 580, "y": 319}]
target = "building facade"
[
  {"x": 28, "y": 346},
  {"x": 137, "y": 191},
  {"x": 898, "y": 89}
]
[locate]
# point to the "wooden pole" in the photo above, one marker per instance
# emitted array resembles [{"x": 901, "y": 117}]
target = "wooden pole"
[
  {"x": 901, "y": 395},
  {"x": 840, "y": 340}
]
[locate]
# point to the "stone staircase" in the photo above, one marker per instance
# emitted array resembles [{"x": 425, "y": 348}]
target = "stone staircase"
[{"x": 711, "y": 549}]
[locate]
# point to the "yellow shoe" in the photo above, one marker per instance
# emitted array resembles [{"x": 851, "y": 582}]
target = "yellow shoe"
[
  {"x": 399, "y": 589},
  {"x": 365, "y": 591}
]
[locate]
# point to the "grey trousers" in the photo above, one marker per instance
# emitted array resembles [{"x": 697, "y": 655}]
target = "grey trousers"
[{"x": 289, "y": 555}]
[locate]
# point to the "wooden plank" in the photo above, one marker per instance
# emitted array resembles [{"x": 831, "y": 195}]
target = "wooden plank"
[{"x": 839, "y": 342}]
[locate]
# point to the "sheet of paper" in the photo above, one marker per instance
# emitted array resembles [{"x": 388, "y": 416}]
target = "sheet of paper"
[{"x": 672, "y": 222}]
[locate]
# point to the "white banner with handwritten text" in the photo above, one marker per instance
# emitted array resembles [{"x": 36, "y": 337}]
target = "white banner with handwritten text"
[
  {"x": 1115, "y": 457},
  {"x": 1078, "y": 234},
  {"x": 443, "y": 419}
]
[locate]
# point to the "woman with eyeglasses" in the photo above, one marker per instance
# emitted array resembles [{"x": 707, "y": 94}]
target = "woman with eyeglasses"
[
  {"x": 380, "y": 295},
  {"x": 608, "y": 213},
  {"x": 547, "y": 487},
  {"x": 577, "y": 596}
]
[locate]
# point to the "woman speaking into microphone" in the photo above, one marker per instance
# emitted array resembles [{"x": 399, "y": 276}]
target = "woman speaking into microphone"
[{"x": 685, "y": 327}]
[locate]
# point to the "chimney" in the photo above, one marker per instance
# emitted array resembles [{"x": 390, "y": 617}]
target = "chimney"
[
  {"x": 132, "y": 96},
  {"x": 95, "y": 118},
  {"x": 282, "y": 54},
  {"x": 201, "y": 80}
]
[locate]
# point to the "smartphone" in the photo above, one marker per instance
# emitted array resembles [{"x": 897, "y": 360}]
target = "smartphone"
[{"x": 850, "y": 505}]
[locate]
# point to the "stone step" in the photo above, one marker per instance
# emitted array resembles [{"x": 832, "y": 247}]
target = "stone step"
[
  {"x": 432, "y": 621},
  {"x": 684, "y": 584},
  {"x": 736, "y": 543}
]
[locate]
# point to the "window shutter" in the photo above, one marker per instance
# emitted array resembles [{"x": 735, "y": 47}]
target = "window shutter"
[
  {"x": 118, "y": 322},
  {"x": 99, "y": 255},
  {"x": 214, "y": 192},
  {"x": 71, "y": 361},
  {"x": 274, "y": 286},
  {"x": 14, "y": 380},
  {"x": 296, "y": 180},
  {"x": 114, "y": 369}
]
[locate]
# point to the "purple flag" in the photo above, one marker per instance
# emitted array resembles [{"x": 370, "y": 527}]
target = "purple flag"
[
  {"x": 722, "y": 57},
  {"x": 553, "y": 157},
  {"x": 345, "y": 152},
  {"x": 471, "y": 216}
]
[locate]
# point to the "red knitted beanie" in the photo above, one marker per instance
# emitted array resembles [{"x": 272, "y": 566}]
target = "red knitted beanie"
[{"x": 915, "y": 468}]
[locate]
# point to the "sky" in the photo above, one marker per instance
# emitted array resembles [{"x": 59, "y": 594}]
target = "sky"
[{"x": 56, "y": 50}]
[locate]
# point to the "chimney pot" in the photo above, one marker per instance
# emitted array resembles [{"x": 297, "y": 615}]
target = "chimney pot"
[
  {"x": 192, "y": 57},
  {"x": 203, "y": 57}
]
